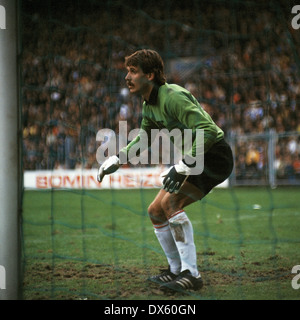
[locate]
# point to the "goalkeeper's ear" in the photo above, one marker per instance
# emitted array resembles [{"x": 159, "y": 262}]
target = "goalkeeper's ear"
[{"x": 150, "y": 76}]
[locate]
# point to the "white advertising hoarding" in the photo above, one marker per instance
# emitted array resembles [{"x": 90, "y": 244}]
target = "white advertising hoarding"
[{"x": 87, "y": 179}]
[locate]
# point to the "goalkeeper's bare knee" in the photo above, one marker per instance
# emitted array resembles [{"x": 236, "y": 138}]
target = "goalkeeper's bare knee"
[{"x": 156, "y": 213}]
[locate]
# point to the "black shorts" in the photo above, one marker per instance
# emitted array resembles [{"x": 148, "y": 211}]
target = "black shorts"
[{"x": 218, "y": 165}]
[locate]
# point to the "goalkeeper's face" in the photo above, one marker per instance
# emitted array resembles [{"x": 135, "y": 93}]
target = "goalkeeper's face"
[{"x": 138, "y": 82}]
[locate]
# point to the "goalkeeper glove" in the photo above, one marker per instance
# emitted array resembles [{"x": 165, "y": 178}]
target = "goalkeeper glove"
[
  {"x": 175, "y": 177},
  {"x": 109, "y": 166}
]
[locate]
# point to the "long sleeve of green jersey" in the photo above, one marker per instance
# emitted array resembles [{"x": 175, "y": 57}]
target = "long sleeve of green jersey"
[
  {"x": 146, "y": 127},
  {"x": 177, "y": 108}
]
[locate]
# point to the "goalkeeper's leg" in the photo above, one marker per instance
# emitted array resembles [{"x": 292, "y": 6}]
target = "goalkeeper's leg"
[
  {"x": 173, "y": 228},
  {"x": 180, "y": 225},
  {"x": 165, "y": 238}
]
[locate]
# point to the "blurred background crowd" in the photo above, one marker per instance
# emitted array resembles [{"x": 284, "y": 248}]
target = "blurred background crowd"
[{"x": 247, "y": 78}]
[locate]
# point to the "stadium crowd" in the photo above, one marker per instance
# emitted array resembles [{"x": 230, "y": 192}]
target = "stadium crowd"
[{"x": 73, "y": 78}]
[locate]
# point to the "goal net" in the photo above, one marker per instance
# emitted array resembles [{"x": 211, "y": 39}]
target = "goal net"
[{"x": 240, "y": 59}]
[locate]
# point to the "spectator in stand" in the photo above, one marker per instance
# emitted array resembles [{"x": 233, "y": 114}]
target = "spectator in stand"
[{"x": 296, "y": 166}]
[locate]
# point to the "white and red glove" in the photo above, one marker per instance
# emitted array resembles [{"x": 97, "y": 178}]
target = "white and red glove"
[{"x": 109, "y": 166}]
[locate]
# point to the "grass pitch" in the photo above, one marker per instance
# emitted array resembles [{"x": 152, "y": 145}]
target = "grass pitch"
[{"x": 83, "y": 244}]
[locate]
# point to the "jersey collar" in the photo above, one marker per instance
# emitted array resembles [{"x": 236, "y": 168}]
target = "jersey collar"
[{"x": 153, "y": 96}]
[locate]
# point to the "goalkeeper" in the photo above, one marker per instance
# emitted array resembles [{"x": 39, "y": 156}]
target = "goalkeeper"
[{"x": 171, "y": 106}]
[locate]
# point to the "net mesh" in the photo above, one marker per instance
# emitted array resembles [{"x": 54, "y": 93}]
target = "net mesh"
[{"x": 240, "y": 59}]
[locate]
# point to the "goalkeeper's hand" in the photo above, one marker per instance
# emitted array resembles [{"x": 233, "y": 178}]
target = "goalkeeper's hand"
[
  {"x": 109, "y": 166},
  {"x": 175, "y": 177}
]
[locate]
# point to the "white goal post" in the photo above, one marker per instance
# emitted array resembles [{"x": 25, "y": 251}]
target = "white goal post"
[{"x": 10, "y": 152}]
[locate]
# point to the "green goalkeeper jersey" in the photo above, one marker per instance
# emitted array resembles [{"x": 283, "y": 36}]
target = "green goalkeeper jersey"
[{"x": 172, "y": 107}]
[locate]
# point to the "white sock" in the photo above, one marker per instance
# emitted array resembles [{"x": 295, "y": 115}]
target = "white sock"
[
  {"x": 182, "y": 231},
  {"x": 166, "y": 240}
]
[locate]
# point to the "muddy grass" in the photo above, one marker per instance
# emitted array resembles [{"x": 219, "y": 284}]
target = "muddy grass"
[{"x": 71, "y": 281}]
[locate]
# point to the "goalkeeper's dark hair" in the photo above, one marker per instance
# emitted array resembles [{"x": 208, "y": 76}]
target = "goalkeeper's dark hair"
[{"x": 149, "y": 61}]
